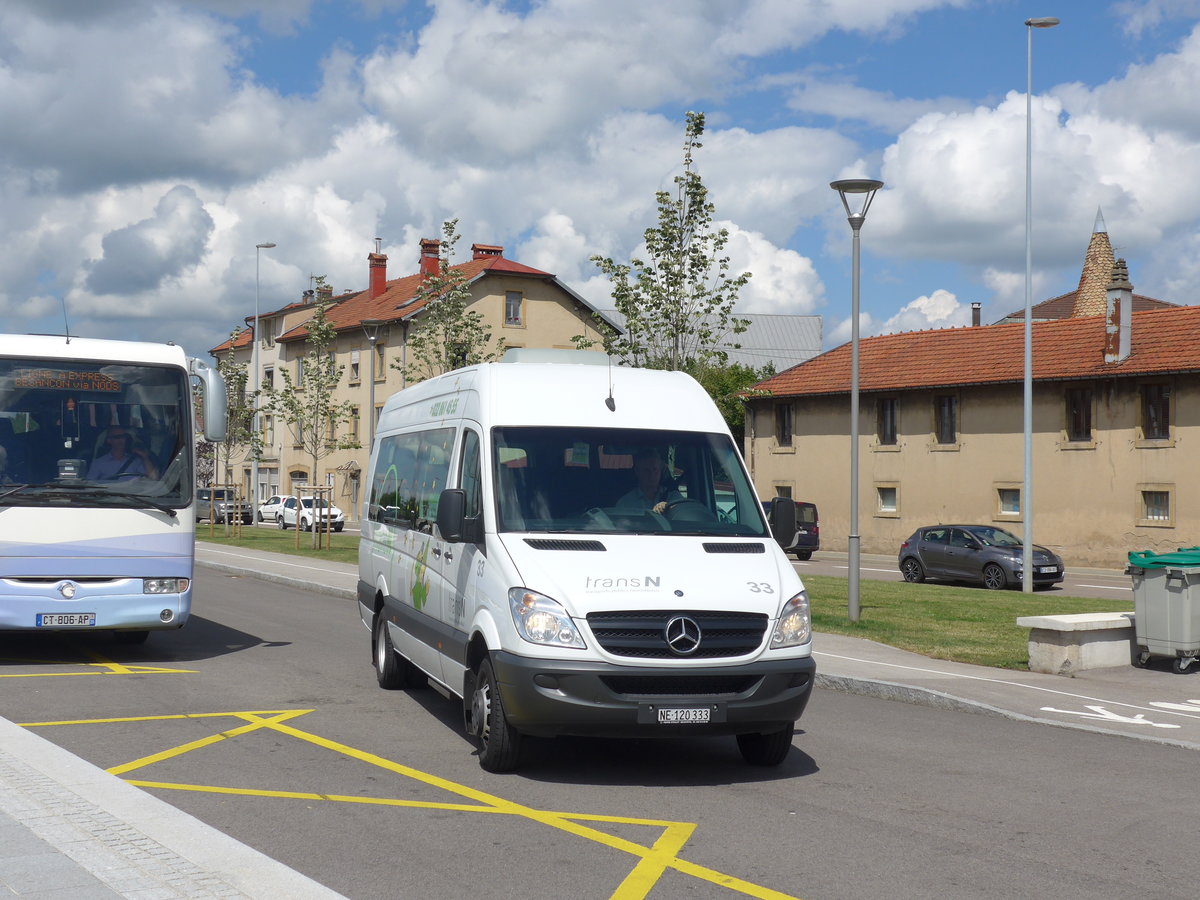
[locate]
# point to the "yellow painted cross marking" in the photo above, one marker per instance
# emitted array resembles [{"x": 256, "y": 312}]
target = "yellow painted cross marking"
[
  {"x": 108, "y": 666},
  {"x": 652, "y": 861}
]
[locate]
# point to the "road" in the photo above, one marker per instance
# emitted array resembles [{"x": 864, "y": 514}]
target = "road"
[{"x": 262, "y": 717}]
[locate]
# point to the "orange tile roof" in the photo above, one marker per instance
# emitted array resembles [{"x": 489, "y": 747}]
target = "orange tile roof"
[
  {"x": 1063, "y": 306},
  {"x": 242, "y": 340},
  {"x": 1163, "y": 340},
  {"x": 395, "y": 302}
]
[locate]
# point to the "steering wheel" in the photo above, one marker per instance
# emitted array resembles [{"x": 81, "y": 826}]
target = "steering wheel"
[{"x": 688, "y": 511}]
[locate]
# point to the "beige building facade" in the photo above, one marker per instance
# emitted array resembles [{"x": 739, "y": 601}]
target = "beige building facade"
[
  {"x": 523, "y": 306},
  {"x": 1115, "y": 432}
]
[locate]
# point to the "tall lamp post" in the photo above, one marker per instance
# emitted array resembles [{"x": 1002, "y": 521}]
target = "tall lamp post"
[
  {"x": 863, "y": 190},
  {"x": 258, "y": 249},
  {"x": 1027, "y": 484}
]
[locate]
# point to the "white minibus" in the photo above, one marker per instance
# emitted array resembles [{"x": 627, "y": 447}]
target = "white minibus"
[{"x": 570, "y": 547}]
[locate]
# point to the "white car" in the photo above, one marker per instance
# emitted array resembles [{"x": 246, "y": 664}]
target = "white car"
[
  {"x": 268, "y": 510},
  {"x": 310, "y": 509}
]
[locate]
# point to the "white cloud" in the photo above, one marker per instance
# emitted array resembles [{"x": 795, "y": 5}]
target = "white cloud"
[
  {"x": 941, "y": 309},
  {"x": 881, "y": 109},
  {"x": 782, "y": 281}
]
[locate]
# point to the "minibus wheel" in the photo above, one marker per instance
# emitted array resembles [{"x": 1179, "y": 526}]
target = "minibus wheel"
[
  {"x": 768, "y": 749},
  {"x": 389, "y": 668},
  {"x": 499, "y": 742}
]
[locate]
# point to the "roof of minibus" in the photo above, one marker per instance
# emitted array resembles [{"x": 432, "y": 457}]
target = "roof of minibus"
[
  {"x": 559, "y": 394},
  {"x": 43, "y": 346}
]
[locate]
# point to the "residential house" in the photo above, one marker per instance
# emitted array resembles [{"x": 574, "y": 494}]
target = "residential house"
[
  {"x": 523, "y": 305},
  {"x": 1115, "y": 420}
]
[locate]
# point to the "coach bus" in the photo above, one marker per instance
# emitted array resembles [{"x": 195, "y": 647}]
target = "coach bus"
[{"x": 97, "y": 467}]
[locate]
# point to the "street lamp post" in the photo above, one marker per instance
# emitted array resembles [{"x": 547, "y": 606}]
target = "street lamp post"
[
  {"x": 866, "y": 188},
  {"x": 258, "y": 249},
  {"x": 1027, "y": 484}
]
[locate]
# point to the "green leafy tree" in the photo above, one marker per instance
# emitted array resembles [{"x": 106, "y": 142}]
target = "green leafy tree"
[
  {"x": 308, "y": 407},
  {"x": 727, "y": 385},
  {"x": 448, "y": 334},
  {"x": 678, "y": 303},
  {"x": 239, "y": 414}
]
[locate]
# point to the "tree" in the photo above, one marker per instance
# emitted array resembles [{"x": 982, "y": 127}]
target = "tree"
[
  {"x": 726, "y": 385},
  {"x": 240, "y": 404},
  {"x": 306, "y": 403},
  {"x": 448, "y": 335},
  {"x": 677, "y": 304}
]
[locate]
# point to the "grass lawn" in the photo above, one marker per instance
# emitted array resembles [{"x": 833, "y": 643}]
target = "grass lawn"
[
  {"x": 343, "y": 549},
  {"x": 964, "y": 624}
]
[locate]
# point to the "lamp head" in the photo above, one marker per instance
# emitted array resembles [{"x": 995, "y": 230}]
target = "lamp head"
[
  {"x": 370, "y": 328},
  {"x": 267, "y": 246},
  {"x": 1044, "y": 22},
  {"x": 862, "y": 186}
]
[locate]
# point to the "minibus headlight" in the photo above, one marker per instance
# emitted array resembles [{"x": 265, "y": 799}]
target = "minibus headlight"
[
  {"x": 541, "y": 620},
  {"x": 164, "y": 585},
  {"x": 795, "y": 625}
]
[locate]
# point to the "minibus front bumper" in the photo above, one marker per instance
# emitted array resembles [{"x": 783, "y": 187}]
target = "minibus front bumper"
[{"x": 547, "y": 698}]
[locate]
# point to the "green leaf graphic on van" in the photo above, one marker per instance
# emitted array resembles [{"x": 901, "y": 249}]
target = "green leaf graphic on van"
[{"x": 420, "y": 586}]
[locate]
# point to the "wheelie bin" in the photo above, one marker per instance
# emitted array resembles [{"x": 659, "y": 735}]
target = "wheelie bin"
[{"x": 1166, "y": 602}]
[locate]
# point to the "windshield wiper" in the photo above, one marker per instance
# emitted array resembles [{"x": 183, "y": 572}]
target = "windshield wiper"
[
  {"x": 70, "y": 491},
  {"x": 14, "y": 489}
]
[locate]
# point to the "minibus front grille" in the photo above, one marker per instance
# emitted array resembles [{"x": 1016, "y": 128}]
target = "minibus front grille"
[
  {"x": 734, "y": 548},
  {"x": 679, "y": 685},
  {"x": 560, "y": 544},
  {"x": 643, "y": 634}
]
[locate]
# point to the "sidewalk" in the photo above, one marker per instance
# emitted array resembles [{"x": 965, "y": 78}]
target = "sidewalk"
[{"x": 70, "y": 830}]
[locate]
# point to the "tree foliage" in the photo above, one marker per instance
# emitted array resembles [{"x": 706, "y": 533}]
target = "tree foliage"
[
  {"x": 308, "y": 407},
  {"x": 678, "y": 302},
  {"x": 240, "y": 402},
  {"x": 725, "y": 384},
  {"x": 448, "y": 335}
]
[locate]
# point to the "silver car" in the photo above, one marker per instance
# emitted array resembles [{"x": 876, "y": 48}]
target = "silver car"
[{"x": 982, "y": 553}]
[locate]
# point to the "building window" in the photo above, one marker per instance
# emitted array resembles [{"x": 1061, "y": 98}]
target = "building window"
[
  {"x": 269, "y": 378},
  {"x": 1008, "y": 502},
  {"x": 885, "y": 421},
  {"x": 1156, "y": 412},
  {"x": 888, "y": 499},
  {"x": 783, "y": 425},
  {"x": 945, "y": 412},
  {"x": 269, "y": 431},
  {"x": 354, "y": 423},
  {"x": 300, "y": 374},
  {"x": 1156, "y": 507},
  {"x": 1079, "y": 414},
  {"x": 783, "y": 490},
  {"x": 512, "y": 308},
  {"x": 380, "y": 361},
  {"x": 355, "y": 367}
]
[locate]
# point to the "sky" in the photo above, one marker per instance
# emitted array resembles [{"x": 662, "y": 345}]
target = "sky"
[{"x": 149, "y": 145}]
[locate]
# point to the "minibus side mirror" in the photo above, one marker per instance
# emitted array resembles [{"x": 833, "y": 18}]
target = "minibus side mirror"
[
  {"x": 783, "y": 520},
  {"x": 452, "y": 505}
]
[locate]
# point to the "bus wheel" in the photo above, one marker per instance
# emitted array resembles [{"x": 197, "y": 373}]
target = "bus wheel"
[
  {"x": 499, "y": 742},
  {"x": 389, "y": 667}
]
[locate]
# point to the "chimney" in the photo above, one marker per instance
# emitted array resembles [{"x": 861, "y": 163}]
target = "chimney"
[
  {"x": 485, "y": 251},
  {"x": 976, "y": 314},
  {"x": 431, "y": 249},
  {"x": 1118, "y": 334},
  {"x": 377, "y": 269},
  {"x": 306, "y": 297},
  {"x": 325, "y": 293}
]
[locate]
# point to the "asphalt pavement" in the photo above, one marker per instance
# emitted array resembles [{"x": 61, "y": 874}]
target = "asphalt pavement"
[{"x": 71, "y": 830}]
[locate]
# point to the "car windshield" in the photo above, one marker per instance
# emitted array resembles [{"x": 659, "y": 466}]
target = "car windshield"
[
  {"x": 995, "y": 537},
  {"x": 619, "y": 481},
  {"x": 93, "y": 434}
]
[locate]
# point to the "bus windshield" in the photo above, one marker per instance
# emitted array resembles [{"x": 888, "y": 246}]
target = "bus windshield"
[
  {"x": 621, "y": 481},
  {"x": 93, "y": 434}
]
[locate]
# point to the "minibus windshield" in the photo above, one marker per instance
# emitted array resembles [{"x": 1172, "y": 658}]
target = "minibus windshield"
[{"x": 622, "y": 481}]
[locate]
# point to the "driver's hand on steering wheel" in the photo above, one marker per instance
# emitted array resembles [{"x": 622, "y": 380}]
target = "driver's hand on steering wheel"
[{"x": 660, "y": 507}]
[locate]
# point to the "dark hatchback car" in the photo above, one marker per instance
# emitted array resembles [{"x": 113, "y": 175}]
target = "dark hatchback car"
[
  {"x": 980, "y": 553},
  {"x": 807, "y": 538}
]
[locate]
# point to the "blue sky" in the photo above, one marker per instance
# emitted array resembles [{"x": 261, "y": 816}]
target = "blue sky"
[{"x": 160, "y": 141}]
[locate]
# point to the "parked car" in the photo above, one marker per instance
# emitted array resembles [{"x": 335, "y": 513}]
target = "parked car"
[
  {"x": 981, "y": 553},
  {"x": 807, "y": 538},
  {"x": 268, "y": 510},
  {"x": 219, "y": 505},
  {"x": 310, "y": 510}
]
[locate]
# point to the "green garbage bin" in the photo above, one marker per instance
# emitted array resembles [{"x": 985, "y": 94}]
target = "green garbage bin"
[{"x": 1166, "y": 602}]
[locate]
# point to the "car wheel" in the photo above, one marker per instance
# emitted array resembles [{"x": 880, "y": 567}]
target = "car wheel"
[
  {"x": 389, "y": 667},
  {"x": 768, "y": 749},
  {"x": 994, "y": 578},
  {"x": 912, "y": 570},
  {"x": 338, "y": 527},
  {"x": 305, "y": 525},
  {"x": 804, "y": 554},
  {"x": 279, "y": 521},
  {"x": 499, "y": 742}
]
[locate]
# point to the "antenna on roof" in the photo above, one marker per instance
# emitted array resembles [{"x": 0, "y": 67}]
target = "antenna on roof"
[
  {"x": 66, "y": 324},
  {"x": 609, "y": 401}
]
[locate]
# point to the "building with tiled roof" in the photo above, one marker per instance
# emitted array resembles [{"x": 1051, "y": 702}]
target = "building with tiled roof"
[
  {"x": 524, "y": 306},
  {"x": 1116, "y": 418}
]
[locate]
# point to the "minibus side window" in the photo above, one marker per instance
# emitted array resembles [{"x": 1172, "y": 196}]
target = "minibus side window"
[
  {"x": 469, "y": 475},
  {"x": 433, "y": 469}
]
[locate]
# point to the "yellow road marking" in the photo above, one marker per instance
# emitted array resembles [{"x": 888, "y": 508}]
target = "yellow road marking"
[
  {"x": 653, "y": 861},
  {"x": 113, "y": 668}
]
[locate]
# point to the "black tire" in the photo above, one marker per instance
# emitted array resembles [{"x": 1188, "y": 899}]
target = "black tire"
[
  {"x": 338, "y": 528},
  {"x": 499, "y": 743},
  {"x": 913, "y": 571},
  {"x": 768, "y": 749},
  {"x": 131, "y": 637},
  {"x": 389, "y": 666},
  {"x": 279, "y": 521},
  {"x": 1181, "y": 664},
  {"x": 305, "y": 526},
  {"x": 994, "y": 578},
  {"x": 1140, "y": 658},
  {"x": 804, "y": 554}
]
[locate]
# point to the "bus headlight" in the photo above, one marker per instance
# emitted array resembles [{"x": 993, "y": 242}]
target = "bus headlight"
[
  {"x": 795, "y": 624},
  {"x": 541, "y": 620},
  {"x": 164, "y": 585}
]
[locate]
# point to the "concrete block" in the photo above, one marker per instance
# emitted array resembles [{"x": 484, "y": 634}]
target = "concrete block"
[{"x": 1064, "y": 645}]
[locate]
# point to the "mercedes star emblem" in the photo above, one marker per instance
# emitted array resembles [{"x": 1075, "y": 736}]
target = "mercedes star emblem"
[{"x": 682, "y": 635}]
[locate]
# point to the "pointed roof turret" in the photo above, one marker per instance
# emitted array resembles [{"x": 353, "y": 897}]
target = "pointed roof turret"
[{"x": 1097, "y": 269}]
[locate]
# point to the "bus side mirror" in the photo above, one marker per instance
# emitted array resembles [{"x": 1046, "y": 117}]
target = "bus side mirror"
[
  {"x": 783, "y": 520},
  {"x": 212, "y": 390},
  {"x": 452, "y": 505}
]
